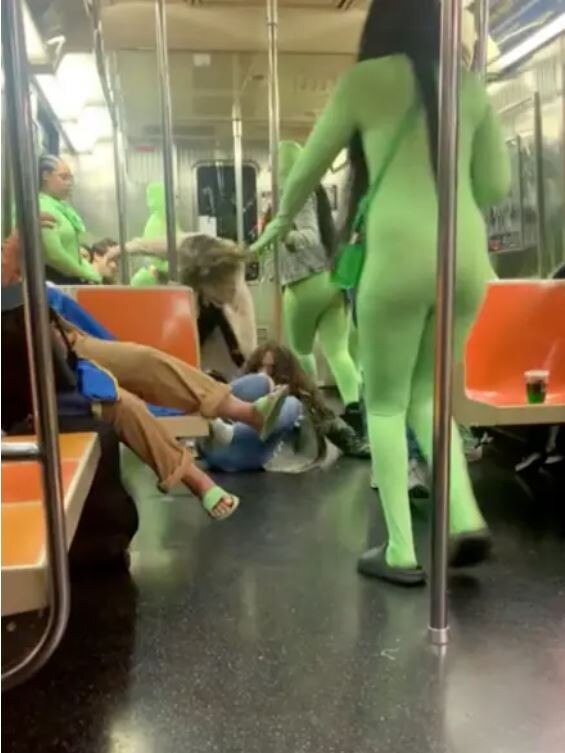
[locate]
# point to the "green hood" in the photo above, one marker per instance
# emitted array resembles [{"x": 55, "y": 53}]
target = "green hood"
[
  {"x": 155, "y": 197},
  {"x": 289, "y": 151}
]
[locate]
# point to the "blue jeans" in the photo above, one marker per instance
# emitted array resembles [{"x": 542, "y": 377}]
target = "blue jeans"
[{"x": 247, "y": 452}]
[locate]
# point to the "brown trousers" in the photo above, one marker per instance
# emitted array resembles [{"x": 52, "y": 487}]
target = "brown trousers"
[{"x": 147, "y": 374}]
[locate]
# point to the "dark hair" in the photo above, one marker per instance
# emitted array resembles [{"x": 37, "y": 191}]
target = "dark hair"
[
  {"x": 393, "y": 27},
  {"x": 288, "y": 371},
  {"x": 100, "y": 248},
  {"x": 326, "y": 223},
  {"x": 47, "y": 163}
]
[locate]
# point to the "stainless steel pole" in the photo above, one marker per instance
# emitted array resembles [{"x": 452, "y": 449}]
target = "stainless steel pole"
[
  {"x": 6, "y": 179},
  {"x": 540, "y": 194},
  {"x": 167, "y": 128},
  {"x": 274, "y": 138},
  {"x": 482, "y": 28},
  {"x": 238, "y": 168},
  {"x": 119, "y": 165},
  {"x": 24, "y": 168},
  {"x": 447, "y": 234},
  {"x": 120, "y": 181}
]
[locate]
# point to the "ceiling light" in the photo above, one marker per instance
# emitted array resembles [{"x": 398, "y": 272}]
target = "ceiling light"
[{"x": 536, "y": 40}]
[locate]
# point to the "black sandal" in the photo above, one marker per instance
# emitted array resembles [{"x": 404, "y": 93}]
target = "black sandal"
[{"x": 373, "y": 563}]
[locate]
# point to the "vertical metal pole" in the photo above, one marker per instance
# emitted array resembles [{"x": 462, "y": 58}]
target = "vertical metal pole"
[
  {"x": 482, "y": 27},
  {"x": 274, "y": 138},
  {"x": 167, "y": 128},
  {"x": 120, "y": 181},
  {"x": 540, "y": 195},
  {"x": 24, "y": 167},
  {"x": 238, "y": 167},
  {"x": 6, "y": 180},
  {"x": 447, "y": 234}
]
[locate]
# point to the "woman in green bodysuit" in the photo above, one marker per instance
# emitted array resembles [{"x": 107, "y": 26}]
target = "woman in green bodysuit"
[
  {"x": 64, "y": 261},
  {"x": 397, "y": 68},
  {"x": 155, "y": 270},
  {"x": 312, "y": 304}
]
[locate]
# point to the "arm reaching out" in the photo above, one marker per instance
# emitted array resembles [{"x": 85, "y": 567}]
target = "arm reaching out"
[{"x": 332, "y": 132}]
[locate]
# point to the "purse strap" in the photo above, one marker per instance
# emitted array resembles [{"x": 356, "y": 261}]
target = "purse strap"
[{"x": 405, "y": 125}]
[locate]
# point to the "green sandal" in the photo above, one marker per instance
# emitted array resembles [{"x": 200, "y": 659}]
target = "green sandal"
[
  {"x": 270, "y": 407},
  {"x": 213, "y": 496}
]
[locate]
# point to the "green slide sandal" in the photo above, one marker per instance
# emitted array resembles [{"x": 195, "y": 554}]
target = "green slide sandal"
[
  {"x": 270, "y": 407},
  {"x": 213, "y": 496}
]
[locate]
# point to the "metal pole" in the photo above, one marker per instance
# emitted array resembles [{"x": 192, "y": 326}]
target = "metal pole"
[
  {"x": 167, "y": 128},
  {"x": 238, "y": 168},
  {"x": 24, "y": 167},
  {"x": 6, "y": 179},
  {"x": 120, "y": 181},
  {"x": 447, "y": 234},
  {"x": 119, "y": 164},
  {"x": 274, "y": 138},
  {"x": 482, "y": 27},
  {"x": 540, "y": 195}
]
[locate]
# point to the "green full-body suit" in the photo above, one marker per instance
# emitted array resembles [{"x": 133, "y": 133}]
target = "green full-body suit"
[
  {"x": 312, "y": 305},
  {"x": 396, "y": 295},
  {"x": 155, "y": 227},
  {"x": 61, "y": 243}
]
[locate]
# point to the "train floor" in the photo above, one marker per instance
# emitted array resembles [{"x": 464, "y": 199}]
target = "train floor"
[{"x": 256, "y": 635}]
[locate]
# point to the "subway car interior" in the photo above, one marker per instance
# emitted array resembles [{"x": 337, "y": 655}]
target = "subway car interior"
[{"x": 222, "y": 383}]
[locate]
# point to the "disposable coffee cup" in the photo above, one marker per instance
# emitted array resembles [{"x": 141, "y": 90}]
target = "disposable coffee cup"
[{"x": 536, "y": 385}]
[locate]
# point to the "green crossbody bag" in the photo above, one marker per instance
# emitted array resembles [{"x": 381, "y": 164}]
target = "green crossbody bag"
[{"x": 350, "y": 257}]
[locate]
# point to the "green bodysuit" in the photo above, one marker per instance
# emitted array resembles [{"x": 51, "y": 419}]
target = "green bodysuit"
[
  {"x": 312, "y": 305},
  {"x": 61, "y": 243},
  {"x": 155, "y": 227},
  {"x": 396, "y": 295}
]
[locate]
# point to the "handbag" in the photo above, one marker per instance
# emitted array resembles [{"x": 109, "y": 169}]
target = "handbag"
[{"x": 351, "y": 255}]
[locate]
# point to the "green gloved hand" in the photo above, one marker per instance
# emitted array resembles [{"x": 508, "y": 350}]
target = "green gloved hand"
[{"x": 276, "y": 230}]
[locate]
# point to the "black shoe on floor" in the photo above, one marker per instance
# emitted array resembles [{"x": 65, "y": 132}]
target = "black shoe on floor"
[
  {"x": 469, "y": 548},
  {"x": 373, "y": 563},
  {"x": 353, "y": 415}
]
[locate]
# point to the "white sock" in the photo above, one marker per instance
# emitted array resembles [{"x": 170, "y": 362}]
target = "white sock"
[{"x": 221, "y": 432}]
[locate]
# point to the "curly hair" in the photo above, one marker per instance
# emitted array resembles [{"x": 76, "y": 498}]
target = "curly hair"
[
  {"x": 204, "y": 260},
  {"x": 288, "y": 371}
]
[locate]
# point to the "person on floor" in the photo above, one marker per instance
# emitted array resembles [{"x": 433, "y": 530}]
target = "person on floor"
[
  {"x": 235, "y": 448},
  {"x": 312, "y": 305},
  {"x": 64, "y": 262},
  {"x": 386, "y": 108}
]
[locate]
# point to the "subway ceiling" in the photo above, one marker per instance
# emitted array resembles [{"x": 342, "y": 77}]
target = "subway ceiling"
[{"x": 217, "y": 52}]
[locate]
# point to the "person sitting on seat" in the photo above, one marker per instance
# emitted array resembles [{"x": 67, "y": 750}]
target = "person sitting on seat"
[
  {"x": 117, "y": 379},
  {"x": 235, "y": 448}
]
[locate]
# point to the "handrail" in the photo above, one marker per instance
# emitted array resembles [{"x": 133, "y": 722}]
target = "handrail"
[
  {"x": 450, "y": 51},
  {"x": 93, "y": 10},
  {"x": 167, "y": 129},
  {"x": 24, "y": 170},
  {"x": 274, "y": 138}
]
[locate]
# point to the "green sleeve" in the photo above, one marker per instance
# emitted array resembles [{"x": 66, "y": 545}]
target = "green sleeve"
[
  {"x": 490, "y": 164},
  {"x": 332, "y": 133},
  {"x": 56, "y": 257}
]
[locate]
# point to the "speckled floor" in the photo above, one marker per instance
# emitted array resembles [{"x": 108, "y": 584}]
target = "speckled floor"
[{"x": 257, "y": 635}]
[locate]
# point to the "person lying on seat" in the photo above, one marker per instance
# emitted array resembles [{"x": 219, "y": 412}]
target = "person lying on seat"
[
  {"x": 233, "y": 447},
  {"x": 117, "y": 379}
]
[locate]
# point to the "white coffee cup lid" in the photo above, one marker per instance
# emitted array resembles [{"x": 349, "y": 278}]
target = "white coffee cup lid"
[{"x": 537, "y": 374}]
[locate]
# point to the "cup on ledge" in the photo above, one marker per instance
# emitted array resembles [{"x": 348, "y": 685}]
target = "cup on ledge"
[{"x": 536, "y": 385}]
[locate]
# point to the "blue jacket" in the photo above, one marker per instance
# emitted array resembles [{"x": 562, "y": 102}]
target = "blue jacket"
[{"x": 93, "y": 383}]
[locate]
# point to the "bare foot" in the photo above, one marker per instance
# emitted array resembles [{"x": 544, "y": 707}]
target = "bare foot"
[{"x": 199, "y": 483}]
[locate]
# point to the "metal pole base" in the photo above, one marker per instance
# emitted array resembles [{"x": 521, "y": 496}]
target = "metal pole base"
[{"x": 438, "y": 636}]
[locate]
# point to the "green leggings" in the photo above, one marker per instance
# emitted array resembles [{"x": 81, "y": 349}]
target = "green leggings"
[
  {"x": 396, "y": 338},
  {"x": 314, "y": 306}
]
